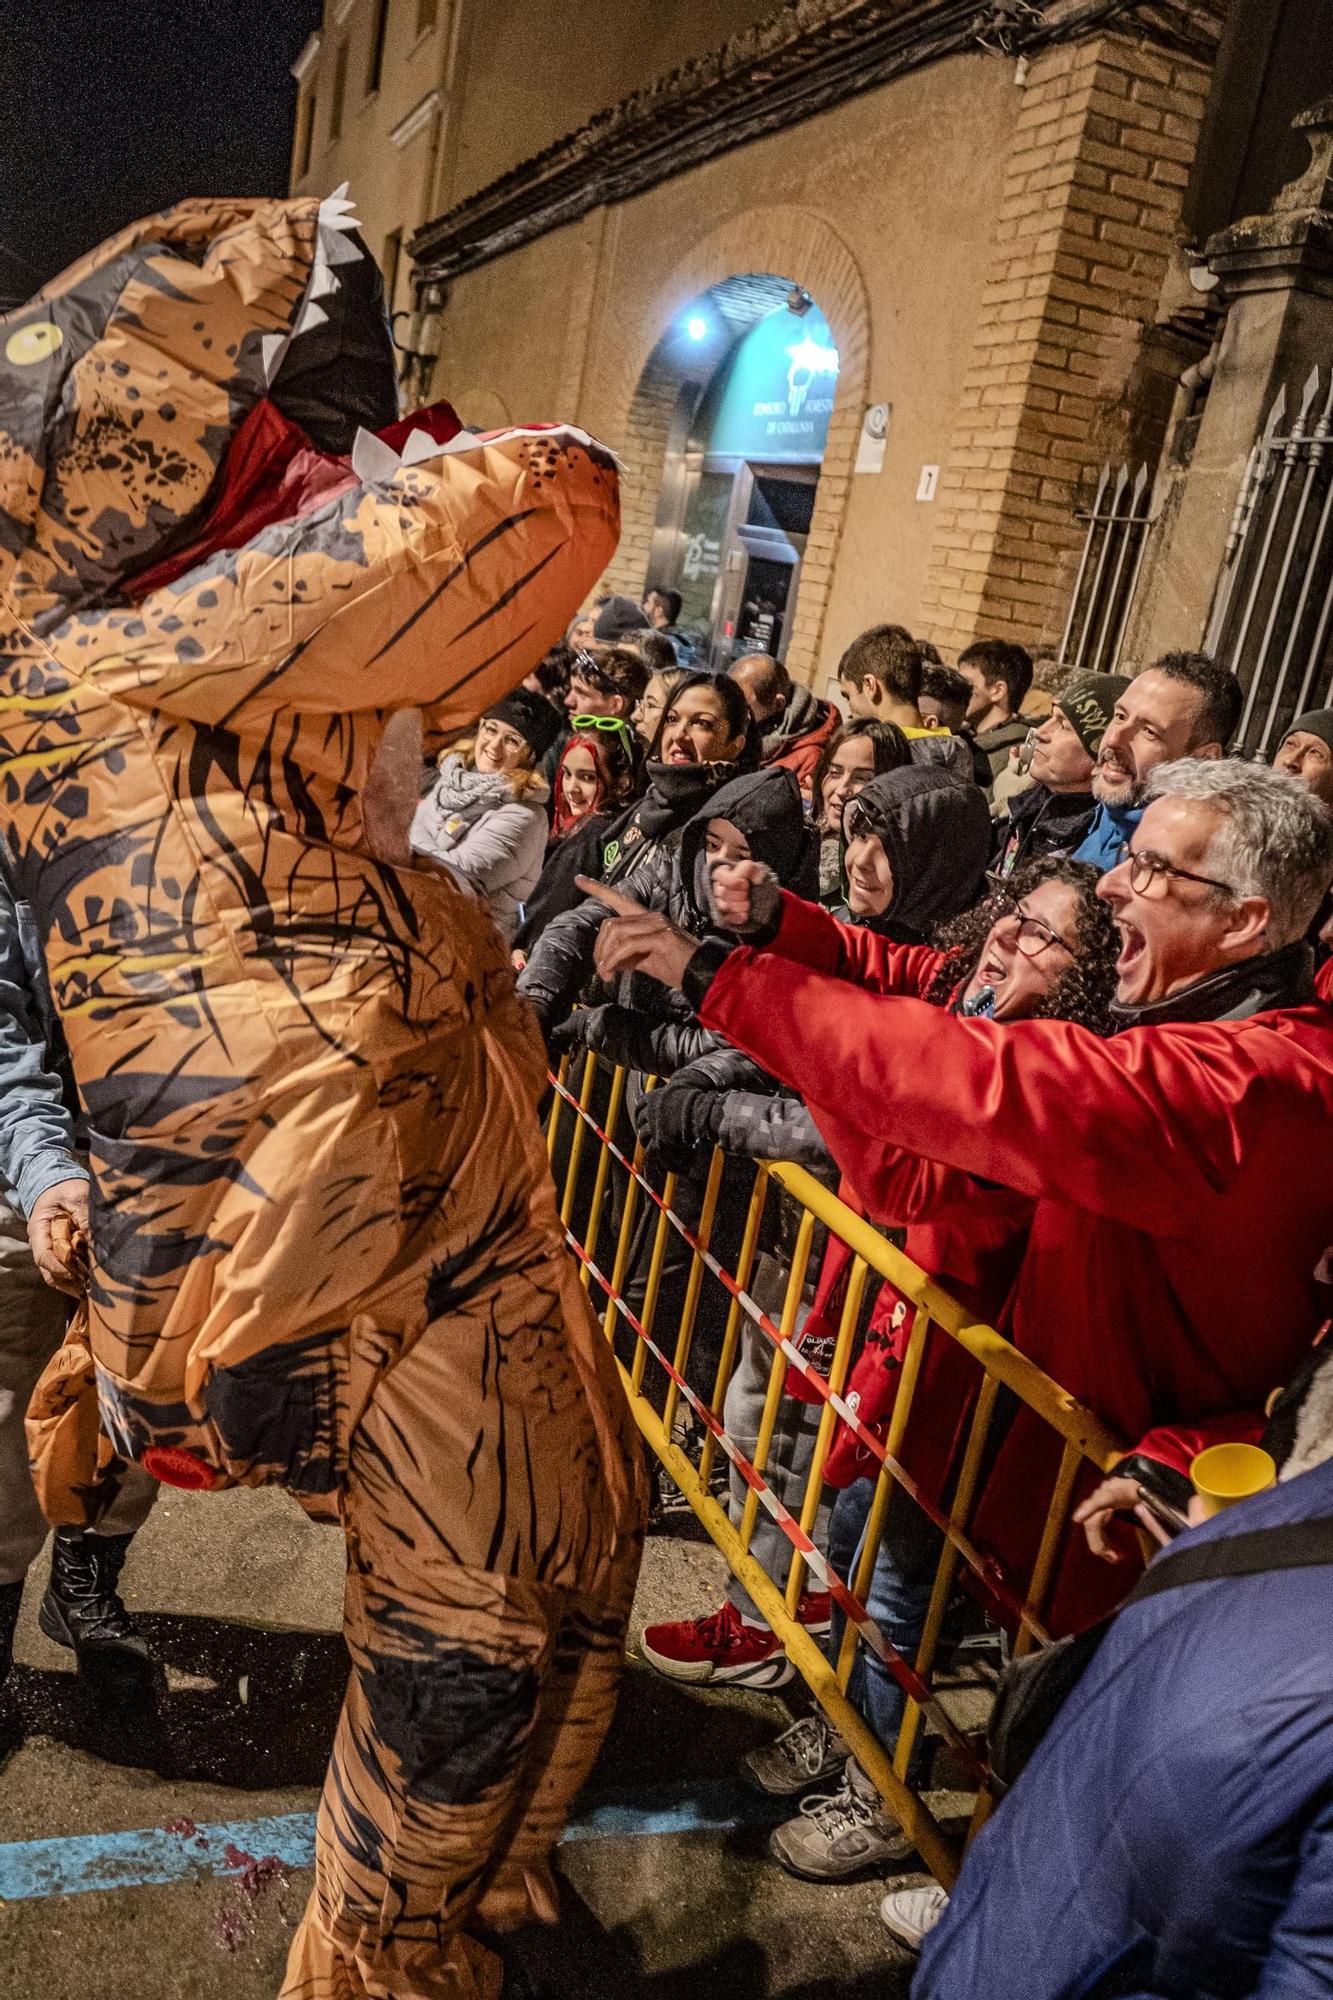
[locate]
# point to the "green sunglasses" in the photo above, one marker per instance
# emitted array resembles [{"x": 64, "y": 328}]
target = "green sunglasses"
[{"x": 608, "y": 725}]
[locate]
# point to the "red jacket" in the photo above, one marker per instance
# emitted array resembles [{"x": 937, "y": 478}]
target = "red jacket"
[
  {"x": 965, "y": 1234},
  {"x": 1181, "y": 1176}
]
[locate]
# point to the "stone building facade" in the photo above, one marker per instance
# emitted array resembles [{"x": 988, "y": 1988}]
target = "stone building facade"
[{"x": 1000, "y": 212}]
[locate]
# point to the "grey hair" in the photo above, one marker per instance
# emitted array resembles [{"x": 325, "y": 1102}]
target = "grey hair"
[{"x": 1275, "y": 839}]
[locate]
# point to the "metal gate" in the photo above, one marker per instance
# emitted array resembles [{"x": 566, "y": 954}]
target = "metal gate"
[
  {"x": 1108, "y": 571},
  {"x": 1272, "y": 614}
]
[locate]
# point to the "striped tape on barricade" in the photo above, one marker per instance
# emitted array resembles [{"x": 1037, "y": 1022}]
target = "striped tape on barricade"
[{"x": 984, "y": 1567}]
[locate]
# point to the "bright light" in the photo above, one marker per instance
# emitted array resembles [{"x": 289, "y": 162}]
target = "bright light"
[{"x": 697, "y": 328}]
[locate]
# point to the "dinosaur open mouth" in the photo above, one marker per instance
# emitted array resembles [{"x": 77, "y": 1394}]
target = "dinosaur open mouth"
[{"x": 328, "y": 419}]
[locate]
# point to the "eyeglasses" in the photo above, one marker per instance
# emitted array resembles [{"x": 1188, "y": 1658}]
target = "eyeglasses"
[
  {"x": 607, "y": 725},
  {"x": 1034, "y": 936},
  {"x": 1148, "y": 873}
]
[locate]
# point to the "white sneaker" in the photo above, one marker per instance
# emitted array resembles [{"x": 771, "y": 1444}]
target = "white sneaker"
[
  {"x": 839, "y": 1834},
  {"x": 911, "y": 1914}
]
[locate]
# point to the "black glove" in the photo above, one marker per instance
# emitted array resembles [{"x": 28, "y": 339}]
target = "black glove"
[
  {"x": 610, "y": 1031},
  {"x": 677, "y": 1121}
]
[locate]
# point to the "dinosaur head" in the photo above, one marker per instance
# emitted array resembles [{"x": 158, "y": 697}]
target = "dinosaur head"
[{"x": 124, "y": 381}]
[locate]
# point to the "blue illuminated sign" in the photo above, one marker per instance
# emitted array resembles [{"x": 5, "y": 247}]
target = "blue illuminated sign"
[{"x": 777, "y": 394}]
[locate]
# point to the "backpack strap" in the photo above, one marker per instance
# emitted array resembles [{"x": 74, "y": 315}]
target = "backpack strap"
[{"x": 1299, "y": 1545}]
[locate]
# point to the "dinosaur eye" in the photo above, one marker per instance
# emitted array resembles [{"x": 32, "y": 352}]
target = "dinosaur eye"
[{"x": 33, "y": 343}]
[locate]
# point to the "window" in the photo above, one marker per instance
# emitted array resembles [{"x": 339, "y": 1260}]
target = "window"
[
  {"x": 378, "y": 31},
  {"x": 339, "y": 93},
  {"x": 305, "y": 132},
  {"x": 426, "y": 13}
]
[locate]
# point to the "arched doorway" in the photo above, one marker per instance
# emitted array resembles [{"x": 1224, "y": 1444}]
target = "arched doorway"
[{"x": 734, "y": 406}]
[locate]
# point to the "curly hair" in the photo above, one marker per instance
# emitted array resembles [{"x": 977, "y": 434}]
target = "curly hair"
[{"x": 1083, "y": 994}]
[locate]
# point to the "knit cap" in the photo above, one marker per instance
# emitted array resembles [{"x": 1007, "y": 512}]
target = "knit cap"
[
  {"x": 1315, "y": 722},
  {"x": 1088, "y": 702},
  {"x": 533, "y": 716}
]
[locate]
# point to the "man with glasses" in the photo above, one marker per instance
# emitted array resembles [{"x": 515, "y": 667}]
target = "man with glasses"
[
  {"x": 1181, "y": 1171},
  {"x": 1184, "y": 705}
]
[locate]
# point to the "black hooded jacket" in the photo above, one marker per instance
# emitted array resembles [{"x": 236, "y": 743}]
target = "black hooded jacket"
[
  {"x": 937, "y": 836},
  {"x": 763, "y": 805},
  {"x": 936, "y": 833},
  {"x": 1043, "y": 822}
]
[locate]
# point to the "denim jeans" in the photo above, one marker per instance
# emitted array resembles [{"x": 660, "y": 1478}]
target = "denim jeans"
[{"x": 897, "y": 1598}]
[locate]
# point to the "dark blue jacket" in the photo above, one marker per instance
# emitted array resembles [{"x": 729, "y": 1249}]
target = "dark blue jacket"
[{"x": 1173, "y": 1836}]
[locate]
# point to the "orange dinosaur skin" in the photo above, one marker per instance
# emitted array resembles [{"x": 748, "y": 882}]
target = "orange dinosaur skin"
[{"x": 326, "y": 1253}]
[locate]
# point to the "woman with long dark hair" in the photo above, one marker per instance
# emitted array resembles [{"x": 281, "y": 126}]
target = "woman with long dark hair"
[{"x": 848, "y": 761}]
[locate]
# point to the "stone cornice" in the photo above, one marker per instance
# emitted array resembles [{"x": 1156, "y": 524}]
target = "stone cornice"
[
  {"x": 803, "y": 59},
  {"x": 1293, "y": 242}
]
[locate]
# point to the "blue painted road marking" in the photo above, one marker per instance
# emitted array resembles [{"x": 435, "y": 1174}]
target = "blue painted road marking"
[{"x": 148, "y": 1856}]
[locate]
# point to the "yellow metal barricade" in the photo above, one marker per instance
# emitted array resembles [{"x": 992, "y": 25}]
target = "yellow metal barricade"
[{"x": 676, "y": 1261}]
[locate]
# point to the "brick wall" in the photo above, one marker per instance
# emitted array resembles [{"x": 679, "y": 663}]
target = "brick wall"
[
  {"x": 642, "y": 452},
  {"x": 1089, "y": 217}
]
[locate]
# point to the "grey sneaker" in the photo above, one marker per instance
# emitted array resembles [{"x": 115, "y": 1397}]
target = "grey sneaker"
[
  {"x": 808, "y": 1753},
  {"x": 840, "y": 1834},
  {"x": 911, "y": 1914}
]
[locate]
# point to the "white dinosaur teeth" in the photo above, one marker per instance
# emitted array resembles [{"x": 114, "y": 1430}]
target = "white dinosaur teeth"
[
  {"x": 335, "y": 248},
  {"x": 419, "y": 447},
  {"x": 311, "y": 315},
  {"x": 272, "y": 347},
  {"x": 322, "y": 282},
  {"x": 373, "y": 461}
]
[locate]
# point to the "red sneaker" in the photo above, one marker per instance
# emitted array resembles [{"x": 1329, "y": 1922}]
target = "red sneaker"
[
  {"x": 720, "y": 1647},
  {"x": 815, "y": 1612}
]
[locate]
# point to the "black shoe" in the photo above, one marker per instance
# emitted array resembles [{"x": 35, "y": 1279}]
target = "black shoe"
[
  {"x": 11, "y": 1596},
  {"x": 82, "y": 1607}
]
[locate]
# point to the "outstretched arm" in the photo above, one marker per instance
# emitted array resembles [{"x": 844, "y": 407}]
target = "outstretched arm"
[{"x": 1138, "y": 1128}]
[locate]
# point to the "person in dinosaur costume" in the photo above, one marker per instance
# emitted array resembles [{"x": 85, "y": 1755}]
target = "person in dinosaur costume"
[{"x": 325, "y": 1249}]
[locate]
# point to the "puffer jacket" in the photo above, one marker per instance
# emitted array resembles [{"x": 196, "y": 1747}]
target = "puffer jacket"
[
  {"x": 1172, "y": 1837},
  {"x": 649, "y": 1027},
  {"x": 40, "y": 1125},
  {"x": 489, "y": 830}
]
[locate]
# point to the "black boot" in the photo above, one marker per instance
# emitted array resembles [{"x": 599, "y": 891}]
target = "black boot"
[
  {"x": 11, "y": 1596},
  {"x": 82, "y": 1607}
]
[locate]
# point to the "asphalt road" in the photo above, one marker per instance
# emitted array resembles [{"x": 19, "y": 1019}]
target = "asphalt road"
[{"x": 667, "y": 1889}]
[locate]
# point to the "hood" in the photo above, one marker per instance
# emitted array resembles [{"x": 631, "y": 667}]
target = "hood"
[
  {"x": 940, "y": 750},
  {"x": 803, "y": 715},
  {"x": 937, "y": 835},
  {"x": 765, "y": 806}
]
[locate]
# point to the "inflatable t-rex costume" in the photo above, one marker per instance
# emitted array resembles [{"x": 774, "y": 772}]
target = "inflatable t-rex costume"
[{"x": 325, "y": 1246}]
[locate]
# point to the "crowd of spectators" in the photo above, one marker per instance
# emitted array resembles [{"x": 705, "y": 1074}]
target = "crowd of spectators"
[
  {"x": 1038, "y": 978},
  {"x": 1031, "y": 978}
]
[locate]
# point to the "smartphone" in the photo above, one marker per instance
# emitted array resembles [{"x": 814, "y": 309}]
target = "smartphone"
[{"x": 1162, "y": 1510}]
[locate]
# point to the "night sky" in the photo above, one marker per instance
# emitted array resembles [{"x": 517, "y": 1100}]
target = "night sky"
[{"x": 110, "y": 109}]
